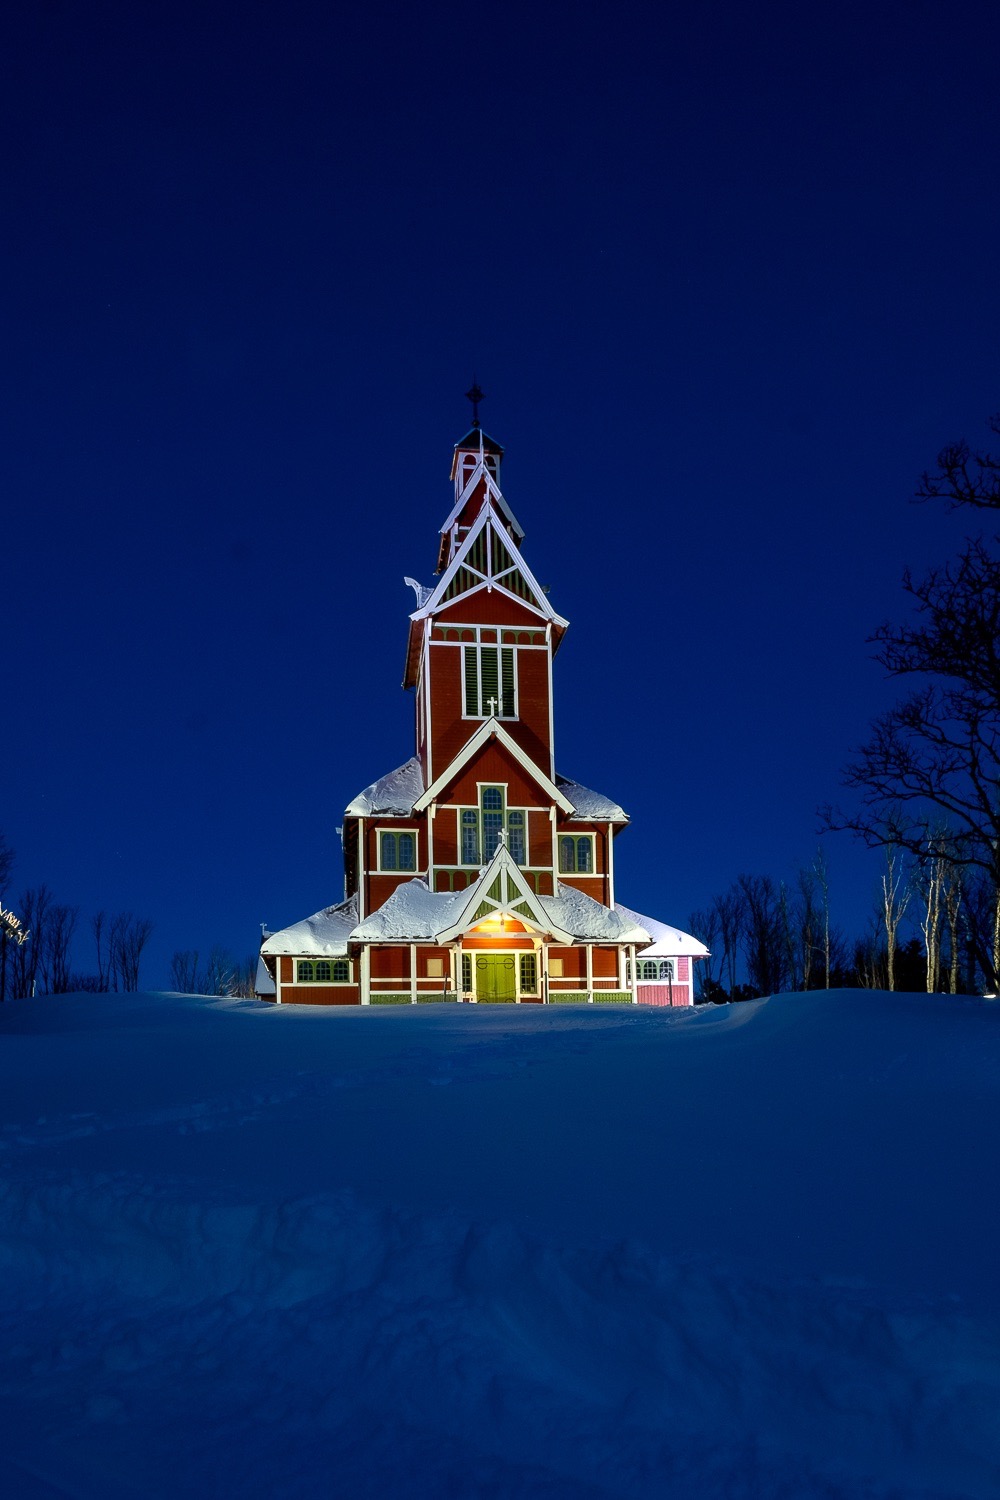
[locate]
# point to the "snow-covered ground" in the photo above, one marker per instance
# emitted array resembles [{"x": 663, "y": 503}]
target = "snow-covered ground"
[{"x": 468, "y": 1251}]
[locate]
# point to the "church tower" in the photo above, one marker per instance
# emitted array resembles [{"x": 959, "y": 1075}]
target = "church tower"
[{"x": 474, "y": 871}]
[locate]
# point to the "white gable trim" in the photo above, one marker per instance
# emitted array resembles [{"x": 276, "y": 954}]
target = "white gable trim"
[
  {"x": 542, "y": 608},
  {"x": 502, "y": 864},
  {"x": 492, "y": 490},
  {"x": 487, "y": 730}
]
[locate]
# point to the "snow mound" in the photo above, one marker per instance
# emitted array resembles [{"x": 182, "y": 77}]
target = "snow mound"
[{"x": 445, "y": 1251}]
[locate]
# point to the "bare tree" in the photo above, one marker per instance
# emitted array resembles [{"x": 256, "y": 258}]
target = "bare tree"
[
  {"x": 952, "y": 894},
  {"x": 34, "y": 911},
  {"x": 895, "y": 898},
  {"x": 763, "y": 935},
  {"x": 822, "y": 874},
  {"x": 128, "y": 936},
  {"x": 184, "y": 971},
  {"x": 99, "y": 926},
  {"x": 53, "y": 957},
  {"x": 218, "y": 972},
  {"x": 244, "y": 981},
  {"x": 936, "y": 755},
  {"x": 705, "y": 926},
  {"x": 731, "y": 913}
]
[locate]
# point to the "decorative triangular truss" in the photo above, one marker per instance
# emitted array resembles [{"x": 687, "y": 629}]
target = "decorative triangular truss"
[
  {"x": 502, "y": 891},
  {"x": 484, "y": 562}
]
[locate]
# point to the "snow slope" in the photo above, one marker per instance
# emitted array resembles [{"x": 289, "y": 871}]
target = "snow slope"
[{"x": 454, "y": 1251}]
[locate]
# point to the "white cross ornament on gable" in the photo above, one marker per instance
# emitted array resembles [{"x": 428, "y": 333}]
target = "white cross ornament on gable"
[
  {"x": 502, "y": 837},
  {"x": 493, "y": 707}
]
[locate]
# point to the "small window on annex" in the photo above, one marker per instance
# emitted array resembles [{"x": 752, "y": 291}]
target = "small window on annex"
[
  {"x": 529, "y": 974},
  {"x": 576, "y": 854},
  {"x": 323, "y": 971},
  {"x": 467, "y": 971},
  {"x": 397, "y": 851}
]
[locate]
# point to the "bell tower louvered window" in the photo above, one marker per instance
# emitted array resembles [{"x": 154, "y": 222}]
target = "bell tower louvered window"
[{"x": 490, "y": 680}]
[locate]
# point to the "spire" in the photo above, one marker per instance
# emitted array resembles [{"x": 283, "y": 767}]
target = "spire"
[{"x": 475, "y": 395}]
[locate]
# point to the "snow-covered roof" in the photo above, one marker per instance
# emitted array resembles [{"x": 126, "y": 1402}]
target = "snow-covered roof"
[
  {"x": 392, "y": 795},
  {"x": 589, "y": 804},
  {"x": 668, "y": 942},
  {"x": 412, "y": 912},
  {"x": 588, "y": 920},
  {"x": 324, "y": 933}
]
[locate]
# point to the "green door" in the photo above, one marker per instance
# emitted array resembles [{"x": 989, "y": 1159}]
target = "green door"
[{"x": 496, "y": 981}]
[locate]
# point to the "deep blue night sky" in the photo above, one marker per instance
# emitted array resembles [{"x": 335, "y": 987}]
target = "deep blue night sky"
[{"x": 728, "y": 275}]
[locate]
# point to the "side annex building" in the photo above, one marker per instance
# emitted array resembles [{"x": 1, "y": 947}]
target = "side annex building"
[{"x": 476, "y": 872}]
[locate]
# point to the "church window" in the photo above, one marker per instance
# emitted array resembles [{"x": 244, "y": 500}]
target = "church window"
[
  {"x": 576, "y": 854},
  {"x": 481, "y": 828},
  {"x": 491, "y": 800},
  {"x": 467, "y": 971},
  {"x": 305, "y": 971},
  {"x": 323, "y": 970},
  {"x": 529, "y": 974},
  {"x": 489, "y": 678},
  {"x": 667, "y": 970},
  {"x": 397, "y": 851}
]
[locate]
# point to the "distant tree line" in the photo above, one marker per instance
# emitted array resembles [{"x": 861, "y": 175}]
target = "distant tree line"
[
  {"x": 42, "y": 964},
  {"x": 927, "y": 781},
  {"x": 220, "y": 974},
  {"x": 924, "y": 933}
]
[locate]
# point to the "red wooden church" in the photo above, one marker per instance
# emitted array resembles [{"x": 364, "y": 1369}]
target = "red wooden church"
[{"x": 475, "y": 871}]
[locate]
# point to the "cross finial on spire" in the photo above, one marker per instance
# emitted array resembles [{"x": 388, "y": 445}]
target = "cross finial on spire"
[{"x": 475, "y": 395}]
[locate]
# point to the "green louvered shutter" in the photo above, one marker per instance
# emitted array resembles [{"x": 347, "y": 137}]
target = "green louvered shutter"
[
  {"x": 507, "y": 707},
  {"x": 491, "y": 683},
  {"x": 471, "y": 682}
]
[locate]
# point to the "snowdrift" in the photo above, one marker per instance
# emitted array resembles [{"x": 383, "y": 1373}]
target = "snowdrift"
[{"x": 457, "y": 1251}]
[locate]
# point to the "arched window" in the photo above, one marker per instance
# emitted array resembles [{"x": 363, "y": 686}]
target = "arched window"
[
  {"x": 515, "y": 832},
  {"x": 667, "y": 970},
  {"x": 341, "y": 971},
  {"x": 305, "y": 971},
  {"x": 323, "y": 969}
]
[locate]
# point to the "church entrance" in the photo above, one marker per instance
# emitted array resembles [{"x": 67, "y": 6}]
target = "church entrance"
[{"x": 496, "y": 981}]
